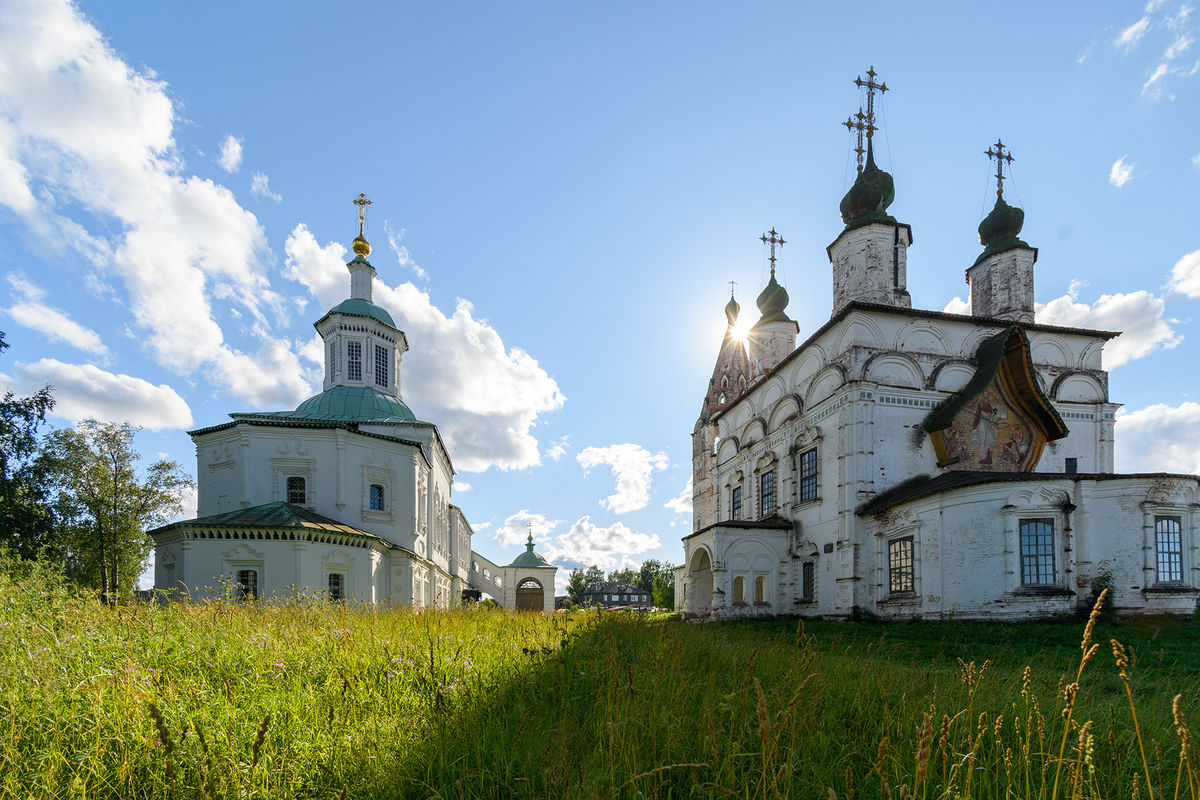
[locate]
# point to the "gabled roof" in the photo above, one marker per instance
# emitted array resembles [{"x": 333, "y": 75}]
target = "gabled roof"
[{"x": 283, "y": 517}]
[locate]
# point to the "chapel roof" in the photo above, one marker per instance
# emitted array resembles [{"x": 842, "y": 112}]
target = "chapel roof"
[
  {"x": 529, "y": 558},
  {"x": 275, "y": 517},
  {"x": 357, "y": 307}
]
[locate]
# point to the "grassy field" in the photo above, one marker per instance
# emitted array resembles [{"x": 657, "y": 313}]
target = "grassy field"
[{"x": 305, "y": 699}]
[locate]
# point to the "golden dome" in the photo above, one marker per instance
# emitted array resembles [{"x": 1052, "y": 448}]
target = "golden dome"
[{"x": 361, "y": 247}]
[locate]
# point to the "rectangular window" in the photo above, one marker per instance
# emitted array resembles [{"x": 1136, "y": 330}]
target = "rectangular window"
[
  {"x": 900, "y": 565},
  {"x": 381, "y": 365},
  {"x": 1168, "y": 547},
  {"x": 766, "y": 494},
  {"x": 1037, "y": 552},
  {"x": 806, "y": 581},
  {"x": 376, "y": 497},
  {"x": 808, "y": 475},
  {"x": 333, "y": 361},
  {"x": 247, "y": 584},
  {"x": 337, "y": 586},
  {"x": 296, "y": 493},
  {"x": 735, "y": 503},
  {"x": 354, "y": 361}
]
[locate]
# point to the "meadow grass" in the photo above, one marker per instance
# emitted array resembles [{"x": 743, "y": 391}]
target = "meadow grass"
[{"x": 311, "y": 699}]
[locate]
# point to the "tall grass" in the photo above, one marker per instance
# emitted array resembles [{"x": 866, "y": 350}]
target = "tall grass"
[{"x": 310, "y": 699}]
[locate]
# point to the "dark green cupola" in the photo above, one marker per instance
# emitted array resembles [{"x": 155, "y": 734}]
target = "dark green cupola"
[{"x": 868, "y": 199}]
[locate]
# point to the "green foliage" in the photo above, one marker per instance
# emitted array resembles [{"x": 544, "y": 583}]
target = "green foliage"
[
  {"x": 576, "y": 585},
  {"x": 310, "y": 699},
  {"x": 629, "y": 576},
  {"x": 104, "y": 505},
  {"x": 27, "y": 524}
]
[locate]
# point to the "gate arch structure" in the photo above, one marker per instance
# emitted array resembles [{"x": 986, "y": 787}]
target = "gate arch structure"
[{"x": 526, "y": 584}]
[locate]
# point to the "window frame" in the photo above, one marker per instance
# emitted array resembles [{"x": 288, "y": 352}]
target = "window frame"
[
  {"x": 382, "y": 368},
  {"x": 901, "y": 565},
  {"x": 376, "y": 497},
  {"x": 739, "y": 590},
  {"x": 735, "y": 502},
  {"x": 339, "y": 594},
  {"x": 1032, "y": 559},
  {"x": 767, "y": 488},
  {"x": 354, "y": 360},
  {"x": 1177, "y": 553},
  {"x": 247, "y": 589},
  {"x": 808, "y": 471},
  {"x": 760, "y": 590},
  {"x": 291, "y": 491}
]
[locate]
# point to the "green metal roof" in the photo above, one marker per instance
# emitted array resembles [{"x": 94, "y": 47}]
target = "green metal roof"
[
  {"x": 530, "y": 558},
  {"x": 355, "y": 307},
  {"x": 344, "y": 404},
  {"x": 273, "y": 516}
]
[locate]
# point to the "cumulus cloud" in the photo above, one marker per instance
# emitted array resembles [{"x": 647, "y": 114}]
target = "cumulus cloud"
[
  {"x": 557, "y": 449},
  {"x": 96, "y": 139},
  {"x": 484, "y": 396},
  {"x": 517, "y": 527},
  {"x": 612, "y": 547},
  {"x": 403, "y": 257},
  {"x": 260, "y": 187},
  {"x": 1159, "y": 438},
  {"x": 30, "y": 311},
  {"x": 1130, "y": 36},
  {"x": 1138, "y": 314},
  {"x": 632, "y": 466},
  {"x": 83, "y": 390},
  {"x": 682, "y": 502},
  {"x": 230, "y": 156},
  {"x": 1185, "y": 275},
  {"x": 1121, "y": 173},
  {"x": 460, "y": 486},
  {"x": 958, "y": 306}
]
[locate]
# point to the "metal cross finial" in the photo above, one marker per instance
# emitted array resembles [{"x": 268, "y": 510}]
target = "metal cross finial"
[
  {"x": 530, "y": 540},
  {"x": 1001, "y": 155},
  {"x": 772, "y": 239},
  {"x": 362, "y": 202},
  {"x": 731, "y": 285},
  {"x": 859, "y": 123},
  {"x": 871, "y": 87}
]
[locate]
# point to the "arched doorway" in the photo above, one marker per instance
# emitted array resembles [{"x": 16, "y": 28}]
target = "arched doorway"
[
  {"x": 700, "y": 584},
  {"x": 529, "y": 595}
]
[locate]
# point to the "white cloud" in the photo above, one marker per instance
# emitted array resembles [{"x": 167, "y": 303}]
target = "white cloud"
[
  {"x": 1179, "y": 46},
  {"x": 31, "y": 312},
  {"x": 1159, "y": 438},
  {"x": 1152, "y": 88},
  {"x": 260, "y": 187},
  {"x": 1185, "y": 275},
  {"x": 230, "y": 157},
  {"x": 958, "y": 306},
  {"x": 557, "y": 449},
  {"x": 609, "y": 548},
  {"x": 1129, "y": 37},
  {"x": 404, "y": 257},
  {"x": 516, "y": 529},
  {"x": 1121, "y": 173},
  {"x": 682, "y": 503},
  {"x": 83, "y": 390},
  {"x": 96, "y": 138},
  {"x": 632, "y": 466},
  {"x": 1138, "y": 314},
  {"x": 460, "y": 486},
  {"x": 1196, "y": 161},
  {"x": 484, "y": 397}
]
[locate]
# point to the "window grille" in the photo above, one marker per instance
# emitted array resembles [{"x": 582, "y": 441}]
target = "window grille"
[
  {"x": 381, "y": 365},
  {"x": 1037, "y": 552},
  {"x": 766, "y": 494},
  {"x": 376, "y": 497},
  {"x": 296, "y": 493},
  {"x": 806, "y": 581},
  {"x": 247, "y": 584},
  {"x": 337, "y": 586},
  {"x": 354, "y": 361},
  {"x": 900, "y": 565},
  {"x": 808, "y": 475},
  {"x": 1168, "y": 546}
]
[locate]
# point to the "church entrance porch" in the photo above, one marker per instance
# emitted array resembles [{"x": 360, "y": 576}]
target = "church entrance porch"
[
  {"x": 699, "y": 585},
  {"x": 530, "y": 595}
]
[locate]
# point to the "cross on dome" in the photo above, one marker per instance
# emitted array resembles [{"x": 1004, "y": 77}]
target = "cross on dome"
[
  {"x": 361, "y": 247},
  {"x": 871, "y": 87},
  {"x": 859, "y": 124},
  {"x": 1001, "y": 155},
  {"x": 774, "y": 239}
]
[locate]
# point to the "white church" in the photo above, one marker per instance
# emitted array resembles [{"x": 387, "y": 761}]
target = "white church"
[
  {"x": 347, "y": 497},
  {"x": 901, "y": 462}
]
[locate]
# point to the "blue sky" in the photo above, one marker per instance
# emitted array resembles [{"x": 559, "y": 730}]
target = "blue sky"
[{"x": 561, "y": 194}]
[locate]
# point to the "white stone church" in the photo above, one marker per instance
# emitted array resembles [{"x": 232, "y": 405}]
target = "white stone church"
[
  {"x": 347, "y": 496},
  {"x": 901, "y": 462}
]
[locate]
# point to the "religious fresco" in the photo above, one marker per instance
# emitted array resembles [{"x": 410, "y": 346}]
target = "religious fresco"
[{"x": 989, "y": 433}]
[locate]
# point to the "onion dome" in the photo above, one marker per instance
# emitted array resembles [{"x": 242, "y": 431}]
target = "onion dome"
[
  {"x": 361, "y": 246},
  {"x": 772, "y": 301},
  {"x": 868, "y": 199},
  {"x": 999, "y": 229},
  {"x": 731, "y": 310}
]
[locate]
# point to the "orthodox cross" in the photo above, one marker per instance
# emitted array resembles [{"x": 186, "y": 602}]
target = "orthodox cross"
[
  {"x": 871, "y": 87},
  {"x": 731, "y": 285},
  {"x": 362, "y": 202},
  {"x": 860, "y": 123},
  {"x": 772, "y": 239},
  {"x": 1001, "y": 156}
]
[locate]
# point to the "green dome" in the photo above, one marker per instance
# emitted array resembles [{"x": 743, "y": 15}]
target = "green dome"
[
  {"x": 772, "y": 301},
  {"x": 354, "y": 404},
  {"x": 530, "y": 558},
  {"x": 731, "y": 310},
  {"x": 361, "y": 308},
  {"x": 999, "y": 229},
  {"x": 868, "y": 199}
]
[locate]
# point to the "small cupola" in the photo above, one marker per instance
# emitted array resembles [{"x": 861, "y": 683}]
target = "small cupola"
[{"x": 1001, "y": 279}]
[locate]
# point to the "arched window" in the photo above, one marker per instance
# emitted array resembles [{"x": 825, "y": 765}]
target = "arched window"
[
  {"x": 739, "y": 589},
  {"x": 337, "y": 586},
  {"x": 247, "y": 584},
  {"x": 760, "y": 589},
  {"x": 376, "y": 497},
  {"x": 296, "y": 491},
  {"x": 716, "y": 444}
]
